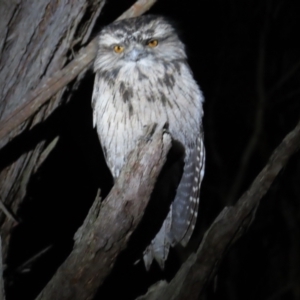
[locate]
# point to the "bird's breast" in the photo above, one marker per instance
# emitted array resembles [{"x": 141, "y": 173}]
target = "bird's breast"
[{"x": 133, "y": 101}]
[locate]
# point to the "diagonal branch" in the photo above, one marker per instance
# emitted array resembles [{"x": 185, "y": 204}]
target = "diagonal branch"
[
  {"x": 232, "y": 222},
  {"x": 105, "y": 232},
  {"x": 60, "y": 79}
]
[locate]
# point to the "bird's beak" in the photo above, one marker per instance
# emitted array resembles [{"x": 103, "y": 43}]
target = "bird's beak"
[{"x": 136, "y": 54}]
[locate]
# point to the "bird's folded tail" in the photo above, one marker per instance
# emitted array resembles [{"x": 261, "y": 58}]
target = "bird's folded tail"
[{"x": 180, "y": 222}]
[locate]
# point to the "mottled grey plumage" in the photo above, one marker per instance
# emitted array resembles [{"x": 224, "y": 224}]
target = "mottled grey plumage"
[{"x": 142, "y": 77}]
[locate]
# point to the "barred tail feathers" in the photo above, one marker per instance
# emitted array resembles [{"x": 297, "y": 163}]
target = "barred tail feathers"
[{"x": 180, "y": 222}]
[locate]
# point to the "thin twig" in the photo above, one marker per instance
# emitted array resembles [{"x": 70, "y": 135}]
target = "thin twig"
[
  {"x": 285, "y": 78},
  {"x": 7, "y": 212},
  {"x": 60, "y": 79},
  {"x": 32, "y": 259}
]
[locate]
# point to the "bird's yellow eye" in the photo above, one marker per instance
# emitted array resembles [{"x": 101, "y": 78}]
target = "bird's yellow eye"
[
  {"x": 152, "y": 43},
  {"x": 118, "y": 49}
]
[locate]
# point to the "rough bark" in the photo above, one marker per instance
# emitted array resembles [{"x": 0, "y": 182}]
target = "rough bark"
[
  {"x": 109, "y": 225},
  {"x": 60, "y": 79},
  {"x": 35, "y": 41}
]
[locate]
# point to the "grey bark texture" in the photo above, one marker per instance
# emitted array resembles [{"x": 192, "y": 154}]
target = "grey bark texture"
[
  {"x": 57, "y": 81},
  {"x": 35, "y": 41},
  {"x": 109, "y": 224}
]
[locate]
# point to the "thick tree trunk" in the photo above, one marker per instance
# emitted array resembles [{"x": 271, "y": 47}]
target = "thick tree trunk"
[{"x": 36, "y": 37}]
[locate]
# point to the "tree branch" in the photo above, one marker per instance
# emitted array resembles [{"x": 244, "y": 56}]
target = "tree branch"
[
  {"x": 232, "y": 223},
  {"x": 60, "y": 79},
  {"x": 106, "y": 231},
  {"x": 2, "y": 294}
]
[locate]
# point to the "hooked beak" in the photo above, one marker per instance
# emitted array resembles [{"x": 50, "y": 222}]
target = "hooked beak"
[{"x": 136, "y": 54}]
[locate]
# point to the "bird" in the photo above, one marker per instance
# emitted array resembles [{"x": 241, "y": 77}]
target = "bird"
[{"x": 142, "y": 77}]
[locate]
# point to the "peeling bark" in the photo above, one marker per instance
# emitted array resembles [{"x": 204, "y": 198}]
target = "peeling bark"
[{"x": 35, "y": 41}]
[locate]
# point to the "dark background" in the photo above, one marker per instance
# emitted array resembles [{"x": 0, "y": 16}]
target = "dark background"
[{"x": 245, "y": 55}]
